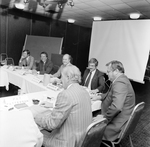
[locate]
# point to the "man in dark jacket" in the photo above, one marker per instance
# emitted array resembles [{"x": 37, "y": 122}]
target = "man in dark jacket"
[
  {"x": 45, "y": 65},
  {"x": 93, "y": 78}
]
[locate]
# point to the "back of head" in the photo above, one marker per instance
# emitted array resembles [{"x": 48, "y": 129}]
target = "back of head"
[
  {"x": 73, "y": 73},
  {"x": 116, "y": 65}
]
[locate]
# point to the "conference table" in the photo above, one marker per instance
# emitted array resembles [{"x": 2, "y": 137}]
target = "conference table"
[
  {"x": 19, "y": 107},
  {"x": 31, "y": 86}
]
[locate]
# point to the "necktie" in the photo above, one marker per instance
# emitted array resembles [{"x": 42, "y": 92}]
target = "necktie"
[
  {"x": 88, "y": 80},
  {"x": 25, "y": 62}
]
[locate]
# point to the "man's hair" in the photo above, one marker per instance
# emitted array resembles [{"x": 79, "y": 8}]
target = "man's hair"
[
  {"x": 28, "y": 52},
  {"x": 116, "y": 65},
  {"x": 93, "y": 60},
  {"x": 45, "y": 53},
  {"x": 73, "y": 73}
]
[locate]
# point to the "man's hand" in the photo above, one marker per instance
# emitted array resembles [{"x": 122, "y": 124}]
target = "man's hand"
[
  {"x": 46, "y": 104},
  {"x": 94, "y": 91},
  {"x": 96, "y": 97}
]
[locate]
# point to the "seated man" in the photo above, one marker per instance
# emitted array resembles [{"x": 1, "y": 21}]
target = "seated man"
[
  {"x": 66, "y": 62},
  {"x": 26, "y": 60},
  {"x": 93, "y": 78},
  {"x": 45, "y": 65},
  {"x": 118, "y": 102},
  {"x": 71, "y": 115}
]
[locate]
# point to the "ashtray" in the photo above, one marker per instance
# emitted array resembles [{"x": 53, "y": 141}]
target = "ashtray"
[{"x": 35, "y": 102}]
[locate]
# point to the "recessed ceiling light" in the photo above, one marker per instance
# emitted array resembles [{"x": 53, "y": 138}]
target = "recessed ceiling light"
[
  {"x": 71, "y": 20},
  {"x": 97, "y": 18},
  {"x": 134, "y": 15}
]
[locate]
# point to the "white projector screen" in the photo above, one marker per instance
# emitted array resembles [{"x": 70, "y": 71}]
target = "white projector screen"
[{"x": 127, "y": 41}]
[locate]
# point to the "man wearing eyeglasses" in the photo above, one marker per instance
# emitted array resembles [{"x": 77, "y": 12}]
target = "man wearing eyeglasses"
[
  {"x": 118, "y": 102},
  {"x": 93, "y": 78}
]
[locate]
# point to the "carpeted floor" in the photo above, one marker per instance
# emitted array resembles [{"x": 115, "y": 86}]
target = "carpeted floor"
[{"x": 141, "y": 135}]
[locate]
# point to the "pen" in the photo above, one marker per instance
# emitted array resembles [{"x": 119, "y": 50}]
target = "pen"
[{"x": 10, "y": 109}]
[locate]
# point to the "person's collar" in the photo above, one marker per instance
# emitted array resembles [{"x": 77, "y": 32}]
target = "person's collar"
[
  {"x": 70, "y": 84},
  {"x": 93, "y": 71},
  {"x": 67, "y": 64},
  {"x": 27, "y": 58},
  {"x": 120, "y": 74}
]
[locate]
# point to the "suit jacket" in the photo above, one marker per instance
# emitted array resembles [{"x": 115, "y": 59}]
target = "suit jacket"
[
  {"x": 98, "y": 80},
  {"x": 28, "y": 63},
  {"x": 45, "y": 68},
  {"x": 68, "y": 120},
  {"x": 117, "y": 106}
]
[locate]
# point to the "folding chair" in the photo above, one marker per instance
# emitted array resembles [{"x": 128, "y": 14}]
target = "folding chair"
[
  {"x": 3, "y": 56},
  {"x": 9, "y": 61},
  {"x": 129, "y": 127},
  {"x": 94, "y": 133}
]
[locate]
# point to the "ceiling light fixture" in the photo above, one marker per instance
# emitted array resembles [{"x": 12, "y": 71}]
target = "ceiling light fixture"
[
  {"x": 134, "y": 15},
  {"x": 60, "y": 3},
  {"x": 20, "y": 6},
  {"x": 70, "y": 3},
  {"x": 96, "y": 18},
  {"x": 71, "y": 20}
]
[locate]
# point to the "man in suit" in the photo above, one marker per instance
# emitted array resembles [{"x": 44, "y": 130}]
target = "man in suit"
[
  {"x": 93, "y": 78},
  {"x": 66, "y": 60},
  {"x": 71, "y": 115},
  {"x": 45, "y": 65},
  {"x": 26, "y": 60},
  {"x": 118, "y": 102}
]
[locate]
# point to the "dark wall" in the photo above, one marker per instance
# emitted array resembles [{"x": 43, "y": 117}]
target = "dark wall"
[{"x": 16, "y": 24}]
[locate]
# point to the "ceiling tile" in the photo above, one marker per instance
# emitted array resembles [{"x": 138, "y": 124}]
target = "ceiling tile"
[
  {"x": 138, "y": 4},
  {"x": 111, "y": 2}
]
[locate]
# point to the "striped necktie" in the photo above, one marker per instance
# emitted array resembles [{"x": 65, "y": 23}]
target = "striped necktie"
[{"x": 88, "y": 80}]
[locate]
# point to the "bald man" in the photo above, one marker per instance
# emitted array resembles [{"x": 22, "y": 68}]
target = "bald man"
[
  {"x": 71, "y": 115},
  {"x": 66, "y": 62}
]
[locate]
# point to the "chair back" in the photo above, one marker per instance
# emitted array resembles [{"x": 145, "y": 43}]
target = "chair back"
[
  {"x": 133, "y": 121},
  {"x": 94, "y": 133},
  {"x": 3, "y": 56},
  {"x": 9, "y": 61},
  {"x": 55, "y": 69}
]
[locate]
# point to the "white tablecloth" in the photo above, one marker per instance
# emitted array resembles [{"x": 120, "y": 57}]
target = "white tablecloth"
[
  {"x": 18, "y": 129},
  {"x": 4, "y": 79},
  {"x": 21, "y": 123}
]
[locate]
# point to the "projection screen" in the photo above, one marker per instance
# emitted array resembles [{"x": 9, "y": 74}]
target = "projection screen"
[{"x": 127, "y": 41}]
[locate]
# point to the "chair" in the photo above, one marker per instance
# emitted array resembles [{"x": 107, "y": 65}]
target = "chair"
[
  {"x": 9, "y": 61},
  {"x": 93, "y": 135},
  {"x": 55, "y": 69},
  {"x": 130, "y": 126},
  {"x": 3, "y": 56}
]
